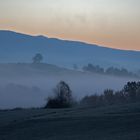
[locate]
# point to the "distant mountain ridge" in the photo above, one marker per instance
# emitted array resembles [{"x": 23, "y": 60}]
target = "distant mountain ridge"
[{"x": 18, "y": 47}]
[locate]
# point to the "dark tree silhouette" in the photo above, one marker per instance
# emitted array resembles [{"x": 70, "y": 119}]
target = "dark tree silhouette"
[
  {"x": 92, "y": 100},
  {"x": 63, "y": 97},
  {"x": 92, "y": 68},
  {"x": 130, "y": 90},
  {"x": 138, "y": 91},
  {"x": 109, "y": 96},
  {"x": 37, "y": 58},
  {"x": 119, "y": 97}
]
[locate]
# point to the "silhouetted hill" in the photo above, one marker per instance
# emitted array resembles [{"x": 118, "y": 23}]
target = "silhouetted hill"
[{"x": 17, "y": 47}]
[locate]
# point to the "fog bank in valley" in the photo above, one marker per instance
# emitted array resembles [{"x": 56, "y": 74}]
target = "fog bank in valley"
[{"x": 26, "y": 85}]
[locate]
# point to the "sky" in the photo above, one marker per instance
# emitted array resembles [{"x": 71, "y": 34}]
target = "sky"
[{"x": 111, "y": 23}]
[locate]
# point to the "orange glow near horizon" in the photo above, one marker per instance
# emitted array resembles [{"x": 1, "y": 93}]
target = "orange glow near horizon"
[{"x": 110, "y": 23}]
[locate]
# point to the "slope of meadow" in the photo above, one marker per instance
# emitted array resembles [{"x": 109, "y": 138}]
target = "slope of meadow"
[{"x": 108, "y": 123}]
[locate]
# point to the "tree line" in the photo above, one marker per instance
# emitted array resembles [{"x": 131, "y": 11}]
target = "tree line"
[
  {"x": 129, "y": 94},
  {"x": 110, "y": 71},
  {"x": 63, "y": 98}
]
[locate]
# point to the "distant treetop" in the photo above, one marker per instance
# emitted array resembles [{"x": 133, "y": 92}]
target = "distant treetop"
[{"x": 38, "y": 58}]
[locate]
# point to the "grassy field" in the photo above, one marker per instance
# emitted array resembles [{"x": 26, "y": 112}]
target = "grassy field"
[{"x": 82, "y": 123}]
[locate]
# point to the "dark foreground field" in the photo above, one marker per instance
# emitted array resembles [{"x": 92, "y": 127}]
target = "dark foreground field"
[{"x": 85, "y": 123}]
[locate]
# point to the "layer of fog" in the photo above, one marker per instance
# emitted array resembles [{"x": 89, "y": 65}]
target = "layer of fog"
[{"x": 29, "y": 87}]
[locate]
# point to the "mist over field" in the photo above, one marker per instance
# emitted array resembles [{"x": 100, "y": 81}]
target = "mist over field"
[{"x": 28, "y": 85}]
